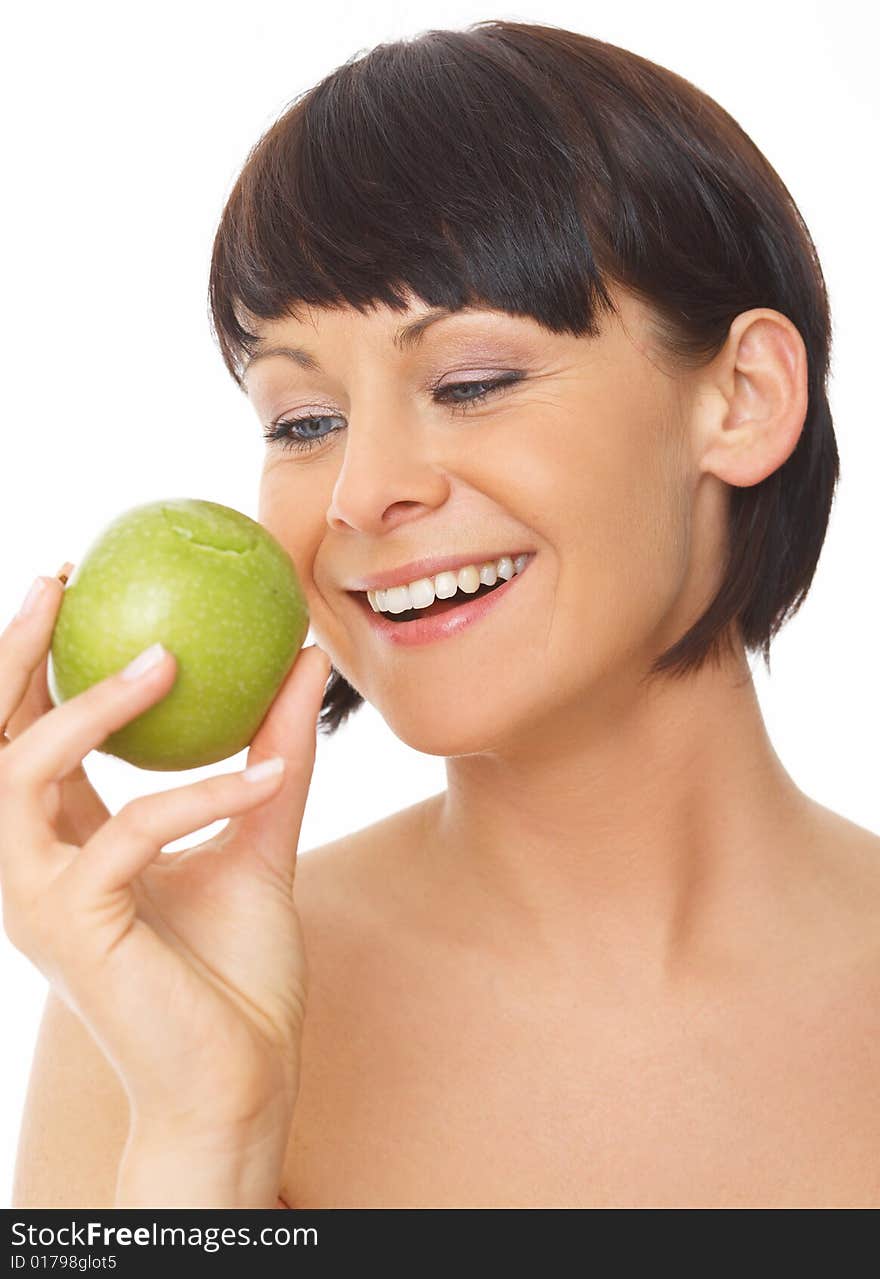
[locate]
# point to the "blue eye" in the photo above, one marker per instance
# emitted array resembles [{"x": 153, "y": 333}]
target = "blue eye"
[{"x": 281, "y": 431}]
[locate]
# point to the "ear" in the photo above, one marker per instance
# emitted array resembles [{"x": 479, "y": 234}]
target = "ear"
[{"x": 753, "y": 399}]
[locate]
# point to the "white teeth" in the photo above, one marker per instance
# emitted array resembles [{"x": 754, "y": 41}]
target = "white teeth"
[
  {"x": 397, "y": 599},
  {"x": 445, "y": 585},
  {"x": 422, "y": 593},
  {"x": 469, "y": 579}
]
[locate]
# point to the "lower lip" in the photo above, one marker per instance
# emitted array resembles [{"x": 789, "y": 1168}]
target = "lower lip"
[{"x": 425, "y": 630}]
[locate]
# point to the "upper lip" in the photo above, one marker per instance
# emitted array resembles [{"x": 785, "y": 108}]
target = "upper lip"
[{"x": 430, "y": 567}]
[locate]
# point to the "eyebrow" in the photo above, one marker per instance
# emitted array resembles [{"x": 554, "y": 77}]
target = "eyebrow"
[{"x": 406, "y": 337}]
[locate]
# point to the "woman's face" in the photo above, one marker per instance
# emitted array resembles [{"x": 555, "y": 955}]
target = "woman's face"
[{"x": 584, "y": 459}]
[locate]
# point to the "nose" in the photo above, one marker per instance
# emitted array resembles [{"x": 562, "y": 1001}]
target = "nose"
[{"x": 389, "y": 473}]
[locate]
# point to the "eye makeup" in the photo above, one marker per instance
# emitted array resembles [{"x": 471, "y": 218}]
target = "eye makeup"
[{"x": 283, "y": 431}]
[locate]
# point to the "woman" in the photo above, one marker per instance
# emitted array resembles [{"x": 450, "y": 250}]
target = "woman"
[{"x": 525, "y": 317}]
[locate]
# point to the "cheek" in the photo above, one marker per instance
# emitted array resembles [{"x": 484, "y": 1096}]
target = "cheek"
[
  {"x": 295, "y": 518},
  {"x": 279, "y": 510},
  {"x": 615, "y": 512}
]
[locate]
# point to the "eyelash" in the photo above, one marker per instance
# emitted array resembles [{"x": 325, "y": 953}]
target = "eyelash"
[{"x": 278, "y": 432}]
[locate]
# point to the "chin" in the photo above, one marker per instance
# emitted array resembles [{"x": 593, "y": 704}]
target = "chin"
[{"x": 453, "y": 729}]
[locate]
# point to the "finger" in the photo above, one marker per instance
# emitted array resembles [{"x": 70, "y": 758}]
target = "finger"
[
  {"x": 25, "y": 642},
  {"x": 36, "y": 700},
  {"x": 82, "y": 809},
  {"x": 290, "y": 730},
  {"x": 55, "y": 745},
  {"x": 128, "y": 842}
]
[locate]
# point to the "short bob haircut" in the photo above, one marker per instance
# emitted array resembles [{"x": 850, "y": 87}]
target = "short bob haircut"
[{"x": 523, "y": 168}]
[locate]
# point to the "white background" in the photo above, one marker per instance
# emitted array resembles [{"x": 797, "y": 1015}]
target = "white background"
[{"x": 124, "y": 130}]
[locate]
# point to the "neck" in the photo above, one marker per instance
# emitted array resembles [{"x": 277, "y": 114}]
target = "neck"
[{"x": 635, "y": 834}]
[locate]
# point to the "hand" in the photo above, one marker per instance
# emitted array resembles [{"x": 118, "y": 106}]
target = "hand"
[{"x": 187, "y": 968}]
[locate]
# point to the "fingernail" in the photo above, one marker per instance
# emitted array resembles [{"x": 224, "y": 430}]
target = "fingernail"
[
  {"x": 64, "y": 572},
  {"x": 144, "y": 661},
  {"x": 32, "y": 597},
  {"x": 268, "y": 768}
]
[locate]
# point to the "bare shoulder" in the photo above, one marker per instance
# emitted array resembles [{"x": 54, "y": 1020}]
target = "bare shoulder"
[
  {"x": 358, "y": 902},
  {"x": 354, "y": 912},
  {"x": 847, "y": 880},
  {"x": 361, "y": 872},
  {"x": 855, "y": 848}
]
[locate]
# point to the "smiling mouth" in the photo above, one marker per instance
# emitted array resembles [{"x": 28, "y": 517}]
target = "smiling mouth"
[
  {"x": 439, "y": 606},
  {"x": 453, "y": 604}
]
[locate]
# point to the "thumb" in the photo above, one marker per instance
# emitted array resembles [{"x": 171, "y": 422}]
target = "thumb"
[{"x": 270, "y": 832}]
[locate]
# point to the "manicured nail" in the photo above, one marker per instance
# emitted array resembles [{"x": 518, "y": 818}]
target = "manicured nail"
[
  {"x": 32, "y": 598},
  {"x": 144, "y": 662},
  {"x": 268, "y": 768}
]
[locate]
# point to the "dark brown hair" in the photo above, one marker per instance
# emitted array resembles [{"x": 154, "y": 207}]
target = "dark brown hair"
[{"x": 526, "y": 168}]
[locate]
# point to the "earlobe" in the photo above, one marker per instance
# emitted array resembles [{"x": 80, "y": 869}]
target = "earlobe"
[{"x": 761, "y": 375}]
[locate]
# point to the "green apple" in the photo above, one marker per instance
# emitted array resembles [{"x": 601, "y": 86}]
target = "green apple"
[{"x": 218, "y": 591}]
